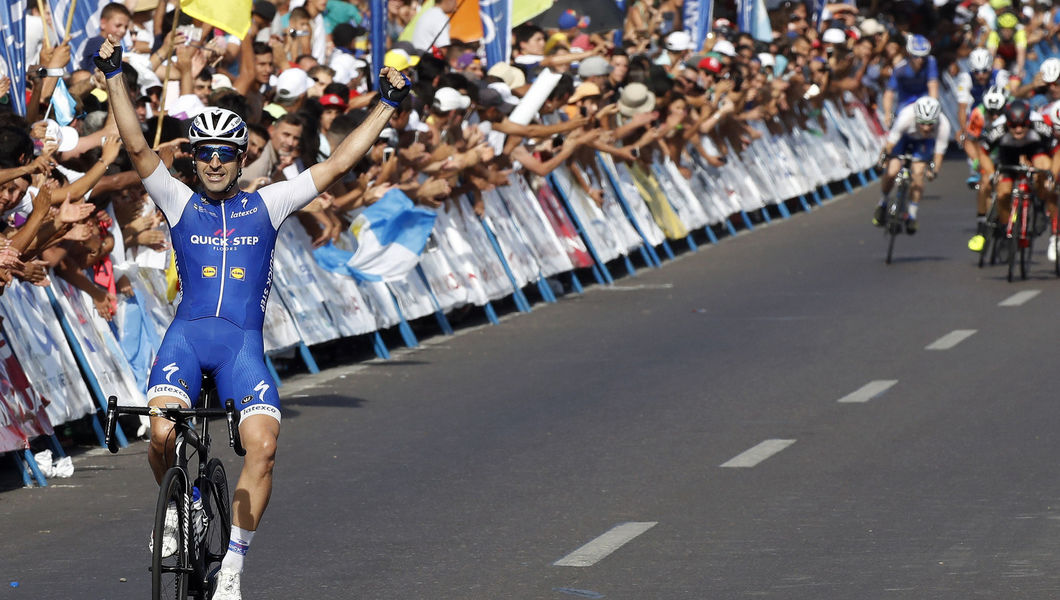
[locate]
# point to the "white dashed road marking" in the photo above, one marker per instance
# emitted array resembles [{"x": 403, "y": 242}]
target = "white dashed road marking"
[
  {"x": 1019, "y": 298},
  {"x": 868, "y": 391},
  {"x": 759, "y": 453},
  {"x": 951, "y": 339},
  {"x": 596, "y": 550}
]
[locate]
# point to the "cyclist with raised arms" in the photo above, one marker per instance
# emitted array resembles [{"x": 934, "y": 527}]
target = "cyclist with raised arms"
[
  {"x": 983, "y": 118},
  {"x": 922, "y": 131},
  {"x": 916, "y": 76},
  {"x": 1021, "y": 134},
  {"x": 224, "y": 240},
  {"x": 971, "y": 86}
]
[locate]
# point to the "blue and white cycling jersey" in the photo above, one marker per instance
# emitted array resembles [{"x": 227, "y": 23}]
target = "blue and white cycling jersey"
[
  {"x": 970, "y": 93},
  {"x": 910, "y": 84},
  {"x": 224, "y": 259}
]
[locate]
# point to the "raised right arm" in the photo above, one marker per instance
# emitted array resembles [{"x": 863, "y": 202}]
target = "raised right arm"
[{"x": 143, "y": 157}]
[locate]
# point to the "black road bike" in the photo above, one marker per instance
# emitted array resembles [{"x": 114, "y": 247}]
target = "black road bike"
[
  {"x": 896, "y": 213},
  {"x": 191, "y": 569}
]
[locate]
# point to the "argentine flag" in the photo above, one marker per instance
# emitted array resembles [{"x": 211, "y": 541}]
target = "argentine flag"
[{"x": 391, "y": 235}]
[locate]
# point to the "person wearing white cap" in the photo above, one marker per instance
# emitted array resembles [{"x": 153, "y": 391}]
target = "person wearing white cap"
[{"x": 678, "y": 46}]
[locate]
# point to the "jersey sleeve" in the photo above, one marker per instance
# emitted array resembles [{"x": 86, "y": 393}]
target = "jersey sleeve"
[
  {"x": 903, "y": 124},
  {"x": 932, "y": 69},
  {"x": 285, "y": 197},
  {"x": 963, "y": 89},
  {"x": 168, "y": 193},
  {"x": 942, "y": 138}
]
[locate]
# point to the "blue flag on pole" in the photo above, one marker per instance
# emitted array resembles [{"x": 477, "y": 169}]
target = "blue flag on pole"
[
  {"x": 13, "y": 54},
  {"x": 391, "y": 235},
  {"x": 751, "y": 17},
  {"x": 377, "y": 37},
  {"x": 84, "y": 25},
  {"x": 698, "y": 18},
  {"x": 496, "y": 30}
]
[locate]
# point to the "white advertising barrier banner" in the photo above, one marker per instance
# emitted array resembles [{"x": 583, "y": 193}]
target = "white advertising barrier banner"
[
  {"x": 639, "y": 212},
  {"x": 42, "y": 351},
  {"x": 628, "y": 238},
  {"x": 519, "y": 257},
  {"x": 278, "y": 331},
  {"x": 541, "y": 237},
  {"x": 442, "y": 277},
  {"x": 412, "y": 296},
  {"x": 295, "y": 280},
  {"x": 98, "y": 345},
  {"x": 376, "y": 296},
  {"x": 690, "y": 213},
  {"x": 341, "y": 297},
  {"x": 593, "y": 221},
  {"x": 468, "y": 248}
]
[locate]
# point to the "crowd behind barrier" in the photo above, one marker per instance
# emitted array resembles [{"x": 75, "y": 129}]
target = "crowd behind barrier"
[
  {"x": 63, "y": 359},
  {"x": 560, "y": 142}
]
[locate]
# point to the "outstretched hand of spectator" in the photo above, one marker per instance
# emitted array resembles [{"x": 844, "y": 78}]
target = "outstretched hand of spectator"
[{"x": 73, "y": 212}]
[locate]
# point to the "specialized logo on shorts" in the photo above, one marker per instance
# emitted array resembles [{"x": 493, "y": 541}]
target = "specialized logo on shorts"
[
  {"x": 209, "y": 272},
  {"x": 237, "y": 273},
  {"x": 246, "y": 399},
  {"x": 169, "y": 370},
  {"x": 261, "y": 388},
  {"x": 183, "y": 384}
]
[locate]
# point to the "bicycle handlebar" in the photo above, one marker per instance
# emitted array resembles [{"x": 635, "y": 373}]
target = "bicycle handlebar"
[{"x": 173, "y": 413}]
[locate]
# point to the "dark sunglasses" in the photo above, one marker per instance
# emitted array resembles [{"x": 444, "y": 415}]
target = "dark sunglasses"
[
  {"x": 1018, "y": 125},
  {"x": 205, "y": 153}
]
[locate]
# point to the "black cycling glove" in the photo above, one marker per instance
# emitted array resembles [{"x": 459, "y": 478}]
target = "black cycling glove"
[
  {"x": 392, "y": 96},
  {"x": 110, "y": 66}
]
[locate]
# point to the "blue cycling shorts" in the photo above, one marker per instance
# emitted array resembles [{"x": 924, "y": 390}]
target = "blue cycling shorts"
[
  {"x": 235, "y": 357},
  {"x": 922, "y": 150}
]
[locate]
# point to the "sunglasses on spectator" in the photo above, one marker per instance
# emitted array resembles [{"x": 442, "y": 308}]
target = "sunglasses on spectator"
[{"x": 205, "y": 153}]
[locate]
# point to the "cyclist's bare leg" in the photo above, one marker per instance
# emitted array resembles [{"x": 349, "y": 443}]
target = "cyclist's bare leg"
[
  {"x": 986, "y": 170},
  {"x": 161, "y": 453},
  {"x": 916, "y": 186},
  {"x": 893, "y": 166},
  {"x": 259, "y": 434},
  {"x": 1004, "y": 201}
]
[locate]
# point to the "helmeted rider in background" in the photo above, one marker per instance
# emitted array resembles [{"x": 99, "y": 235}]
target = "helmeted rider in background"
[
  {"x": 916, "y": 76},
  {"x": 983, "y": 118},
  {"x": 971, "y": 86},
  {"x": 922, "y": 131}
]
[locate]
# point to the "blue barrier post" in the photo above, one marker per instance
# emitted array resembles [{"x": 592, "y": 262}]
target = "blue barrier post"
[
  {"x": 603, "y": 276},
  {"x": 861, "y": 179},
  {"x": 710, "y": 234},
  {"x": 805, "y": 205},
  {"x": 491, "y": 314},
  {"x": 872, "y": 174},
  {"x": 783, "y": 208},
  {"x": 32, "y": 462},
  {"x": 403, "y": 325},
  {"x": 764, "y": 211},
  {"x": 379, "y": 346},
  {"x": 646, "y": 249},
  {"x": 545, "y": 289},
  {"x": 827, "y": 192},
  {"x": 26, "y": 479},
  {"x": 517, "y": 293},
  {"x": 747, "y": 220},
  {"x": 307, "y": 358},
  {"x": 272, "y": 371},
  {"x": 90, "y": 378},
  {"x": 846, "y": 184},
  {"x": 57, "y": 446},
  {"x": 439, "y": 314},
  {"x": 667, "y": 250}
]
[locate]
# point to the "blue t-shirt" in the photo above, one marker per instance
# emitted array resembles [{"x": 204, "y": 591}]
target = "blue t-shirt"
[{"x": 910, "y": 84}]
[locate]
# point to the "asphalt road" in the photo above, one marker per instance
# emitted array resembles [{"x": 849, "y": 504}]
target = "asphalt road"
[{"x": 761, "y": 419}]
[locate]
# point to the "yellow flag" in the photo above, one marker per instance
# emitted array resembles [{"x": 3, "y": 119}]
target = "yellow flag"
[
  {"x": 233, "y": 16},
  {"x": 524, "y": 10}
]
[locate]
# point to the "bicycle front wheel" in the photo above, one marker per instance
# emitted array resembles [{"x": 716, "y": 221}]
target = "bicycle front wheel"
[
  {"x": 218, "y": 507},
  {"x": 170, "y": 574}
]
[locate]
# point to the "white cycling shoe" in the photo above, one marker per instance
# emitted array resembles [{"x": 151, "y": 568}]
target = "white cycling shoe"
[
  {"x": 169, "y": 533},
  {"x": 227, "y": 587}
]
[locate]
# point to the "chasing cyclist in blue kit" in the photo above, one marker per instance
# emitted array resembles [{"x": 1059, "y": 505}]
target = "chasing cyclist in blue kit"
[
  {"x": 224, "y": 240},
  {"x": 916, "y": 76}
]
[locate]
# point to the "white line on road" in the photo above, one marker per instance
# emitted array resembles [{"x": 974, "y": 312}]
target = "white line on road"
[
  {"x": 868, "y": 391},
  {"x": 759, "y": 453},
  {"x": 951, "y": 339},
  {"x": 596, "y": 550},
  {"x": 1019, "y": 298}
]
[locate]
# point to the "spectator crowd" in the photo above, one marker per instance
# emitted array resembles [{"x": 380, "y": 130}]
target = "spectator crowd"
[{"x": 72, "y": 207}]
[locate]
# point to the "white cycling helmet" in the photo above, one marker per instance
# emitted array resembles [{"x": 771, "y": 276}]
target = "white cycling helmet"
[
  {"x": 1050, "y": 70},
  {"x": 918, "y": 45},
  {"x": 980, "y": 60},
  {"x": 927, "y": 110},
  {"x": 994, "y": 99},
  {"x": 219, "y": 125}
]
